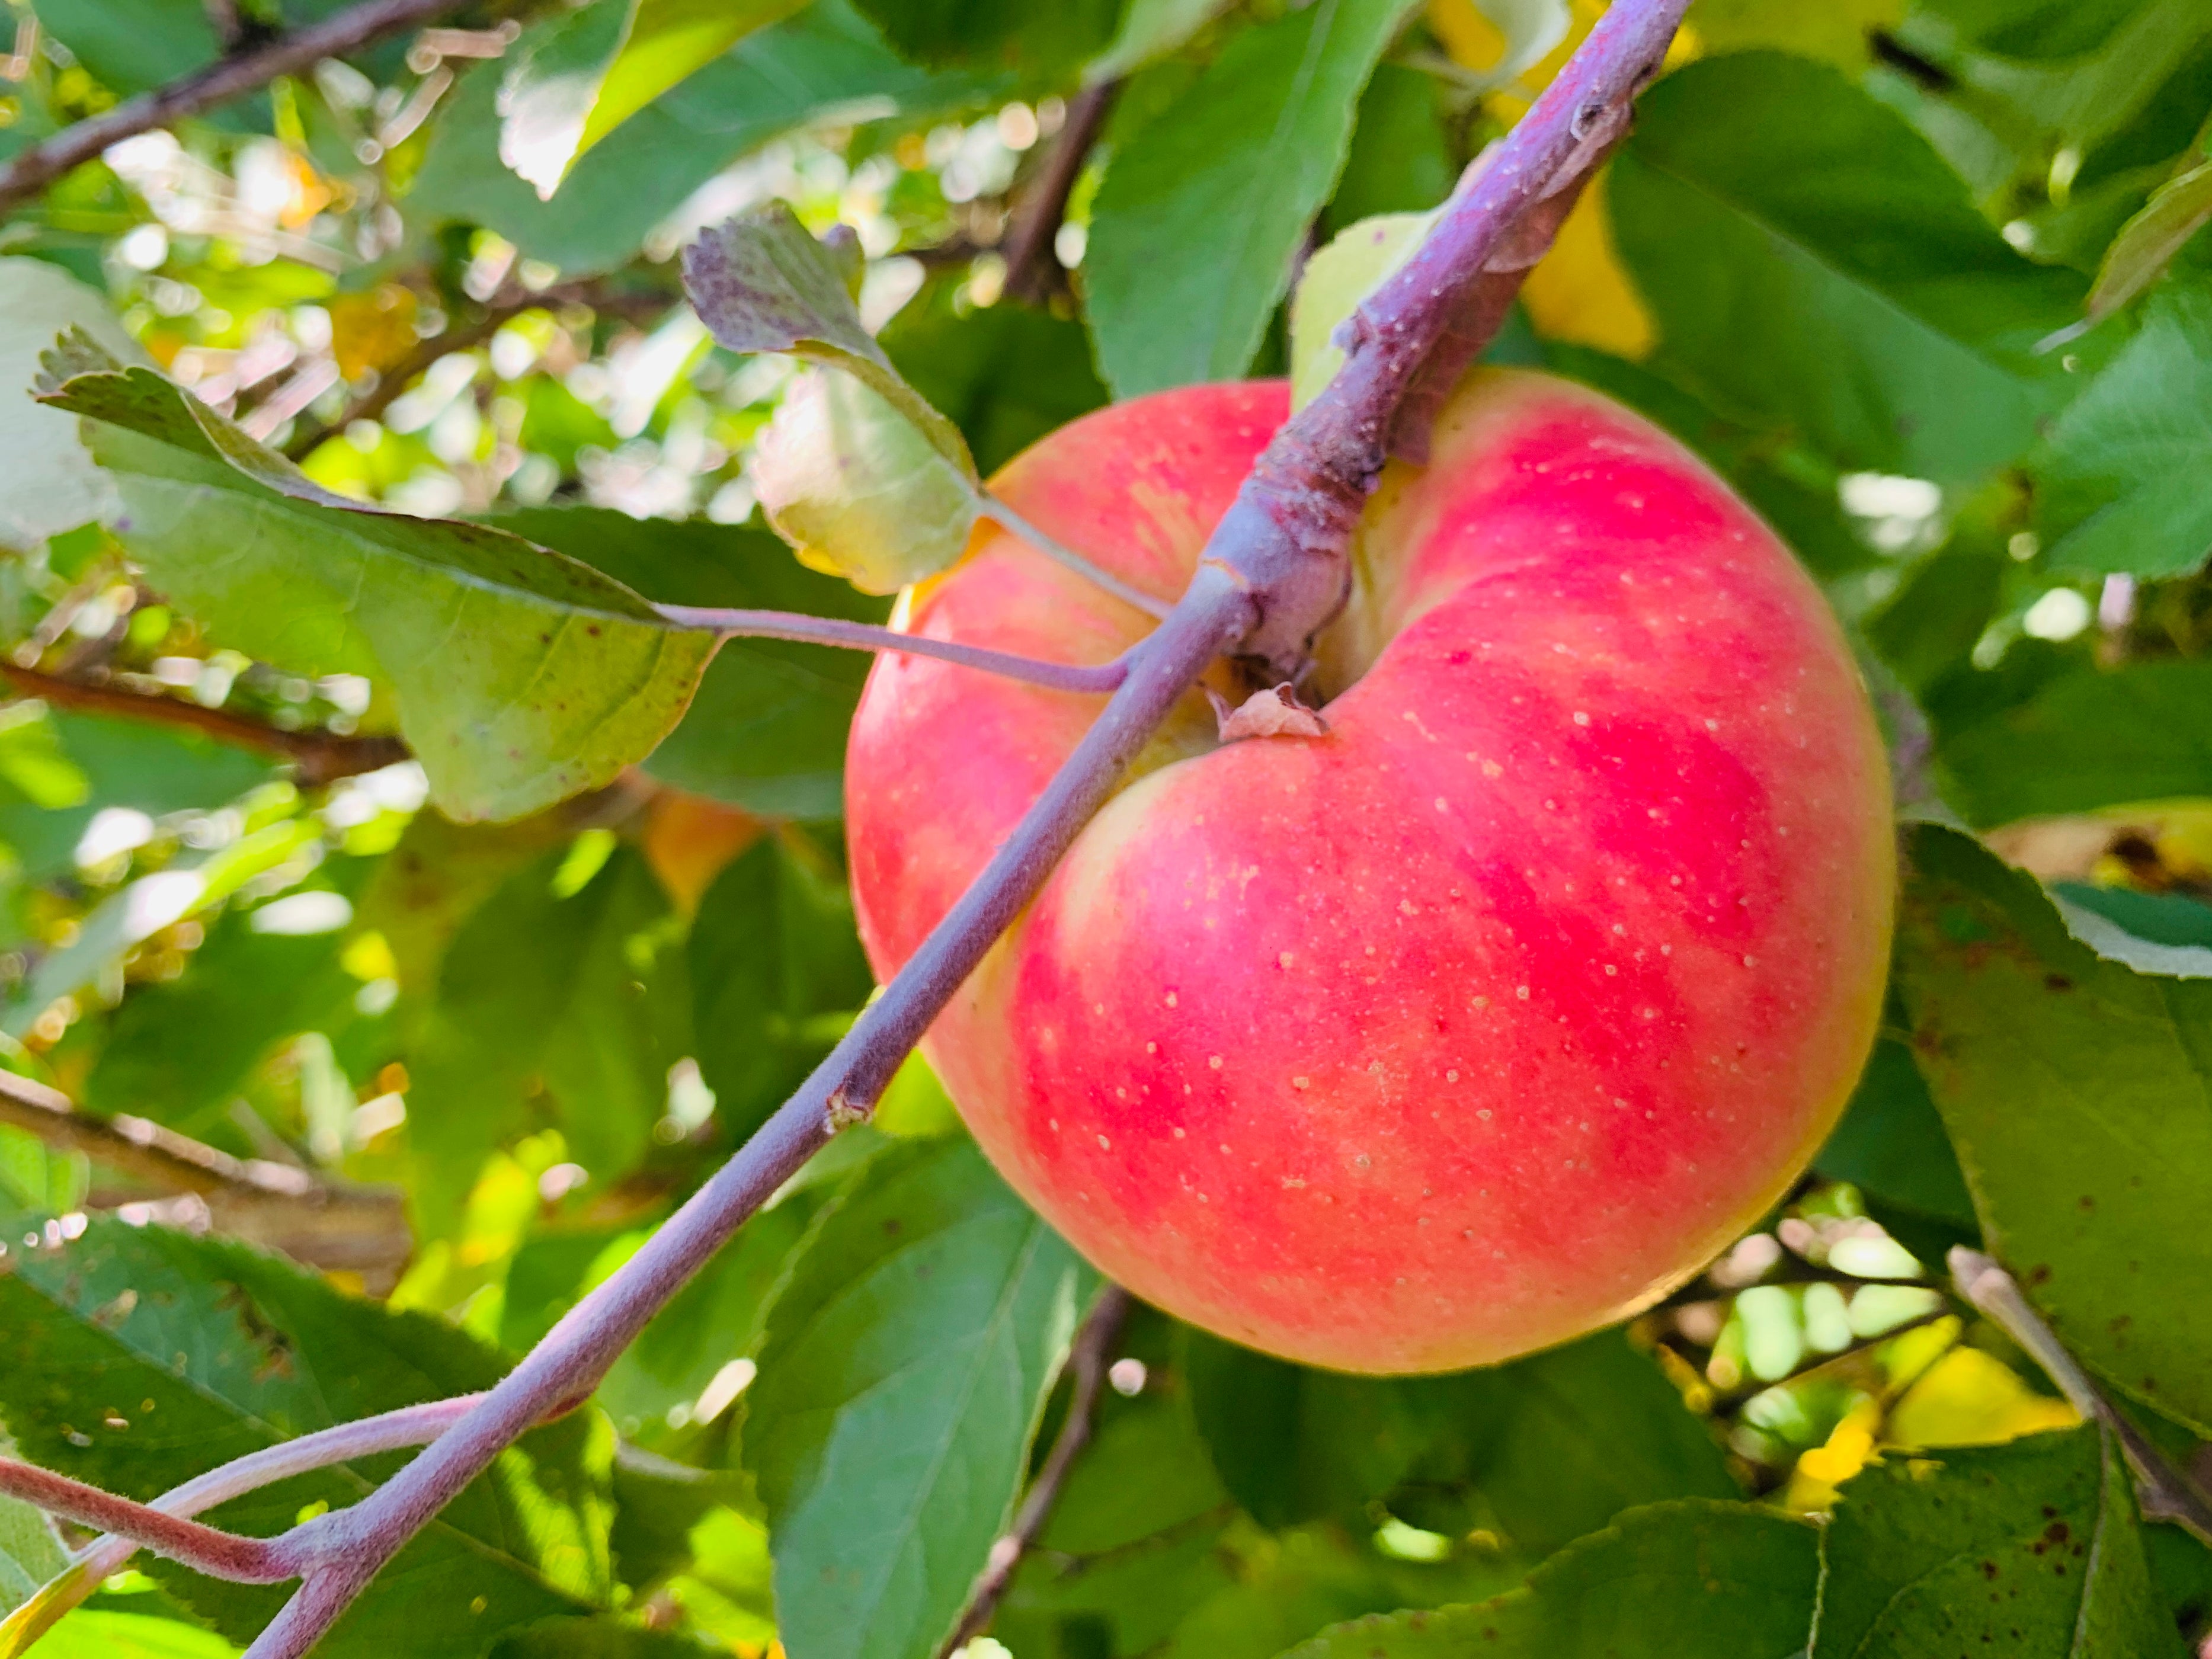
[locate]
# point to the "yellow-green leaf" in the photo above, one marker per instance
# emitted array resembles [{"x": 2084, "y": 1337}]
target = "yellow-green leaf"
[{"x": 857, "y": 488}]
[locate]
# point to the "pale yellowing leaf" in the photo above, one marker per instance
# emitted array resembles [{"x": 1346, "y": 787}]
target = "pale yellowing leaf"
[
  {"x": 1337, "y": 278},
  {"x": 2177, "y": 210},
  {"x": 857, "y": 488}
]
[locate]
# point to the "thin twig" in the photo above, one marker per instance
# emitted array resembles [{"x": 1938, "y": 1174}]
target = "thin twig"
[
  {"x": 2168, "y": 1494},
  {"x": 1087, "y": 1360},
  {"x": 322, "y": 756},
  {"x": 360, "y": 1229},
  {"x": 203, "y": 90},
  {"x": 865, "y": 636},
  {"x": 207, "y": 1549},
  {"x": 465, "y": 336},
  {"x": 395, "y": 1431},
  {"x": 1033, "y": 267},
  {"x": 998, "y": 512}
]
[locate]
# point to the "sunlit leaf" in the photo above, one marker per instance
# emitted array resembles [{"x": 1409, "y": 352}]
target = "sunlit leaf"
[
  {"x": 857, "y": 488},
  {"x": 520, "y": 676},
  {"x": 51, "y": 484},
  {"x": 602, "y": 63}
]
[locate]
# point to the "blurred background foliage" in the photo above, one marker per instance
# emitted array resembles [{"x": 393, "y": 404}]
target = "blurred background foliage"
[{"x": 458, "y": 1070}]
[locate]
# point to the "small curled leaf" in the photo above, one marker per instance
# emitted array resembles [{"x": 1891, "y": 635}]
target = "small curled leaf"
[
  {"x": 857, "y": 489},
  {"x": 760, "y": 283}
]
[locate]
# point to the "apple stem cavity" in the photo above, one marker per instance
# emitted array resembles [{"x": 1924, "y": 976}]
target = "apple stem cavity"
[
  {"x": 865, "y": 636},
  {"x": 1273, "y": 574}
]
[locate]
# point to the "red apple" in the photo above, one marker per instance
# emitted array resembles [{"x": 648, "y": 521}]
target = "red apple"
[{"x": 1482, "y": 1020}]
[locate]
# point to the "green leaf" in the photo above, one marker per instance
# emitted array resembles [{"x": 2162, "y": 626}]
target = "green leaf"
[
  {"x": 2086, "y": 739},
  {"x": 2030, "y": 1549},
  {"x": 2120, "y": 479},
  {"x": 52, "y": 484},
  {"x": 1722, "y": 1581},
  {"x": 1041, "y": 40},
  {"x": 521, "y": 677},
  {"x": 2151, "y": 933},
  {"x": 762, "y": 283},
  {"x": 597, "y": 1639},
  {"x": 773, "y": 949},
  {"x": 98, "y": 1633},
  {"x": 766, "y": 730},
  {"x": 906, "y": 1364},
  {"x": 30, "y": 1552},
  {"x": 1813, "y": 266},
  {"x": 1200, "y": 215},
  {"x": 1400, "y": 159},
  {"x": 1005, "y": 375},
  {"x": 1890, "y": 1144},
  {"x": 566, "y": 1010},
  {"x": 179, "y": 1051},
  {"x": 825, "y": 62},
  {"x": 153, "y": 769},
  {"x": 138, "y": 1357},
  {"x": 2177, "y": 210},
  {"x": 1150, "y": 30},
  {"x": 2073, "y": 1090},
  {"x": 601, "y": 65},
  {"x": 857, "y": 489},
  {"x": 1837, "y": 31},
  {"x": 1543, "y": 1449}
]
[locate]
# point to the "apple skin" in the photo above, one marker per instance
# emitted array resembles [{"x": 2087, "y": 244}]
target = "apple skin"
[{"x": 1477, "y": 1024}]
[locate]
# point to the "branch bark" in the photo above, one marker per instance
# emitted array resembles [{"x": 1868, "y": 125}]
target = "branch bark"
[
  {"x": 2166, "y": 1493},
  {"x": 1087, "y": 1360},
  {"x": 322, "y": 756},
  {"x": 360, "y": 1230},
  {"x": 1274, "y": 571},
  {"x": 1033, "y": 267},
  {"x": 204, "y": 90}
]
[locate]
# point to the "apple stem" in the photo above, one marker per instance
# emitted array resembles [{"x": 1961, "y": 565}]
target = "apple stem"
[
  {"x": 1006, "y": 518},
  {"x": 1272, "y": 572},
  {"x": 866, "y": 636}
]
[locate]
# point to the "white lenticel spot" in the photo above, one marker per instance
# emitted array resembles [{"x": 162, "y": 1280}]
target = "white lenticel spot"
[
  {"x": 1104, "y": 1144},
  {"x": 1300, "y": 1082},
  {"x": 1214, "y": 1061},
  {"x": 1179, "y": 1132},
  {"x": 1451, "y": 1077},
  {"x": 1581, "y": 718},
  {"x": 1171, "y": 1001},
  {"x": 1520, "y": 991}
]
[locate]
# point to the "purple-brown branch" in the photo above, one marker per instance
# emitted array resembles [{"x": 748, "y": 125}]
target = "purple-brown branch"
[
  {"x": 1272, "y": 574},
  {"x": 865, "y": 636},
  {"x": 204, "y": 90}
]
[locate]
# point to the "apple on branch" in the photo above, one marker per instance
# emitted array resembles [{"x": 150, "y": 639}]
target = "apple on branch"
[{"x": 1483, "y": 1015}]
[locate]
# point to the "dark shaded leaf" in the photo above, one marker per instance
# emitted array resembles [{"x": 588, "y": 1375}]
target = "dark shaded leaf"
[
  {"x": 2030, "y": 1549},
  {"x": 1719, "y": 1581},
  {"x": 2074, "y": 1092},
  {"x": 906, "y": 1364}
]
